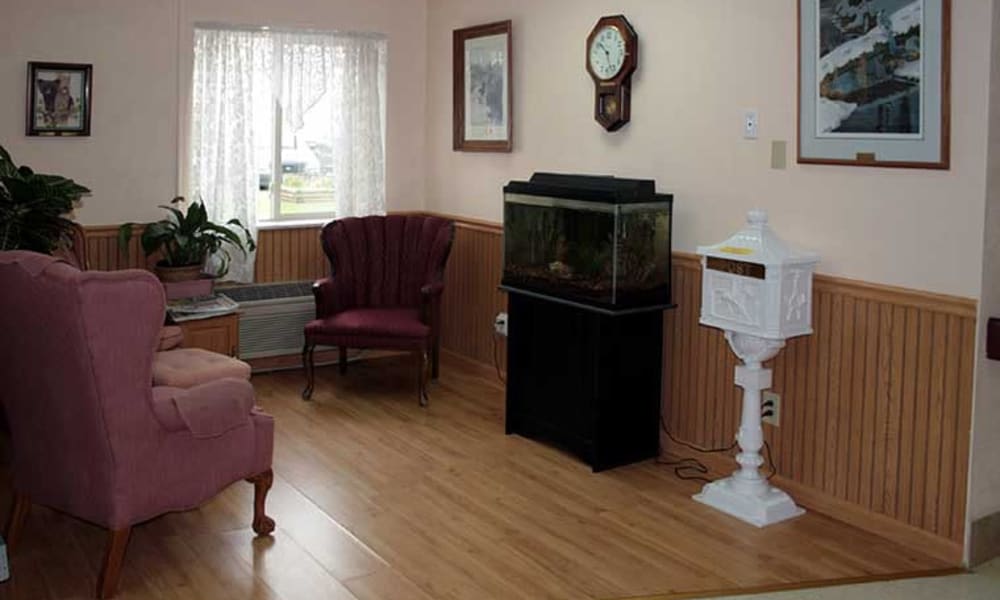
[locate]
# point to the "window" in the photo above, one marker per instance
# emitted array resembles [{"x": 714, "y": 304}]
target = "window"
[
  {"x": 287, "y": 125},
  {"x": 295, "y": 176}
]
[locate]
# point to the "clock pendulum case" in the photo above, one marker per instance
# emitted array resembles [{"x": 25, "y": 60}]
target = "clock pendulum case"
[{"x": 612, "y": 58}]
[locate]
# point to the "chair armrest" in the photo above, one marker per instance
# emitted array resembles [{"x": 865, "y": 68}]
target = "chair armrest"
[
  {"x": 430, "y": 305},
  {"x": 324, "y": 293},
  {"x": 206, "y": 411}
]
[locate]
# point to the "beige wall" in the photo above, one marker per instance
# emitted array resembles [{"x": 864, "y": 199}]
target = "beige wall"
[
  {"x": 141, "y": 55},
  {"x": 130, "y": 160},
  {"x": 701, "y": 64},
  {"x": 984, "y": 497}
]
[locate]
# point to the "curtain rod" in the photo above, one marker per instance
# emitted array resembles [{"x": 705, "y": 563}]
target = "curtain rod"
[{"x": 295, "y": 30}]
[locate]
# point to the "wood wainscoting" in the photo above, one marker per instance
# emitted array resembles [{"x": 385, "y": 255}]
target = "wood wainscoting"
[
  {"x": 286, "y": 254},
  {"x": 290, "y": 254},
  {"x": 876, "y": 405},
  {"x": 103, "y": 253},
  {"x": 471, "y": 297}
]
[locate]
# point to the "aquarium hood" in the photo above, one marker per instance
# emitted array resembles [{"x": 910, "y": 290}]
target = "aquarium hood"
[
  {"x": 588, "y": 188},
  {"x": 593, "y": 241}
]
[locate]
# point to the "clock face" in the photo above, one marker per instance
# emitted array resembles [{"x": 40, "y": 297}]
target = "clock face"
[{"x": 607, "y": 52}]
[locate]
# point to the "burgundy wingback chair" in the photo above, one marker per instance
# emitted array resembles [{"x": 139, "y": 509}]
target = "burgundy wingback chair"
[
  {"x": 384, "y": 290},
  {"x": 90, "y": 434}
]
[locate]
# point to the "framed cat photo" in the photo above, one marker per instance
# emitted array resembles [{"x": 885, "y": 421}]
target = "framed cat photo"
[
  {"x": 58, "y": 99},
  {"x": 874, "y": 83}
]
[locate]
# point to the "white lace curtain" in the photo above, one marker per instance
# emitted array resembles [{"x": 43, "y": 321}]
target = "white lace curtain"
[{"x": 232, "y": 67}]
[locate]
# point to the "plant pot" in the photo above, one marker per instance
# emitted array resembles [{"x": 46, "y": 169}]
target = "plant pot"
[
  {"x": 172, "y": 274},
  {"x": 192, "y": 288}
]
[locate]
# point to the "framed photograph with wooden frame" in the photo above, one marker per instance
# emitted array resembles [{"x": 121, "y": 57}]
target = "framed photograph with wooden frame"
[
  {"x": 483, "y": 90},
  {"x": 874, "y": 83},
  {"x": 58, "y": 99}
]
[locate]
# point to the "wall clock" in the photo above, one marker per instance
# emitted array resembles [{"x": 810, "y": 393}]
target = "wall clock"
[{"x": 612, "y": 57}]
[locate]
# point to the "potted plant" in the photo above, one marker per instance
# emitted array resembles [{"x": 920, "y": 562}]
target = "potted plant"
[
  {"x": 34, "y": 207},
  {"x": 185, "y": 240}
]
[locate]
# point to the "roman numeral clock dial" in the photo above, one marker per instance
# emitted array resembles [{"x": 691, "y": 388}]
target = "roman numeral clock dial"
[{"x": 612, "y": 57}]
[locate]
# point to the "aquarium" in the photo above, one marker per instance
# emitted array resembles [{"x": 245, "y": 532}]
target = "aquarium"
[{"x": 600, "y": 241}]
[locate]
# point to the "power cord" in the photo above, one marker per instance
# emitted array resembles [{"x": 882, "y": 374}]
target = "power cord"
[
  {"x": 683, "y": 466},
  {"x": 770, "y": 461}
]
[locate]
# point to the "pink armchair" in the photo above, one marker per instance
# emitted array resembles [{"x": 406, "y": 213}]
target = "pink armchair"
[
  {"x": 384, "y": 290},
  {"x": 91, "y": 437}
]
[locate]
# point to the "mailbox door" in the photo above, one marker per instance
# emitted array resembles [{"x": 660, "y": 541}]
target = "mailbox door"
[{"x": 732, "y": 301}]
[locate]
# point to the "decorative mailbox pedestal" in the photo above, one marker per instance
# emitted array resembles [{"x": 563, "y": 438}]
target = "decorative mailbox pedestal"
[{"x": 759, "y": 291}]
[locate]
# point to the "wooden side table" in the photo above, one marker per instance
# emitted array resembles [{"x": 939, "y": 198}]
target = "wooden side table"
[{"x": 218, "y": 334}]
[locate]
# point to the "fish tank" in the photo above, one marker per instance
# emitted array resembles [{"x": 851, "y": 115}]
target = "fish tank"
[{"x": 598, "y": 241}]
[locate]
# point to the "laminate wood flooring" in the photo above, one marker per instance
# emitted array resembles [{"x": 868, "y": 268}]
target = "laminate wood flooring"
[{"x": 378, "y": 499}]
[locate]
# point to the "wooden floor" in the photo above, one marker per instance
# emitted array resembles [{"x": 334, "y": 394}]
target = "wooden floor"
[{"x": 376, "y": 498}]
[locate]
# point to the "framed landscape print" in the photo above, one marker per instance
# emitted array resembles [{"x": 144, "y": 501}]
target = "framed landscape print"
[
  {"x": 58, "y": 99},
  {"x": 874, "y": 82},
  {"x": 483, "y": 118}
]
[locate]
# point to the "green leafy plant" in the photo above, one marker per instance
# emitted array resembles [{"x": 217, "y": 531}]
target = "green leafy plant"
[
  {"x": 189, "y": 238},
  {"x": 33, "y": 207}
]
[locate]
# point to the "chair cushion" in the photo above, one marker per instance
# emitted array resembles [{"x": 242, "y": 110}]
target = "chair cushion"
[
  {"x": 371, "y": 328},
  {"x": 188, "y": 367}
]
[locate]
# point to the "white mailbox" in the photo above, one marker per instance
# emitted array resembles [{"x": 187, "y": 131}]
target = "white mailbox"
[
  {"x": 753, "y": 283},
  {"x": 759, "y": 291}
]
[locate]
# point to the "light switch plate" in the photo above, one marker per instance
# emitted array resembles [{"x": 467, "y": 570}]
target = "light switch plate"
[{"x": 751, "y": 121}]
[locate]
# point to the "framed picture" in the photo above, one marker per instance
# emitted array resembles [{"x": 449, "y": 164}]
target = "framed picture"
[
  {"x": 58, "y": 99},
  {"x": 483, "y": 107},
  {"x": 874, "y": 83}
]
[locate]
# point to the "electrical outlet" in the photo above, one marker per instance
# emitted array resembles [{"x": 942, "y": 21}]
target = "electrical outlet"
[
  {"x": 771, "y": 403},
  {"x": 500, "y": 324}
]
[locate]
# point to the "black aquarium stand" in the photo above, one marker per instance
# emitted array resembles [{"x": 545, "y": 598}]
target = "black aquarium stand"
[{"x": 585, "y": 379}]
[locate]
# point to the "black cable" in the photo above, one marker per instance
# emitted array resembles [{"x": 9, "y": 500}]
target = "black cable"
[
  {"x": 692, "y": 463},
  {"x": 680, "y": 466},
  {"x": 684, "y": 465},
  {"x": 770, "y": 461},
  {"x": 663, "y": 426}
]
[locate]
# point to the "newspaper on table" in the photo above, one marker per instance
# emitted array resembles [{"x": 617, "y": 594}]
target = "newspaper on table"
[{"x": 201, "y": 307}]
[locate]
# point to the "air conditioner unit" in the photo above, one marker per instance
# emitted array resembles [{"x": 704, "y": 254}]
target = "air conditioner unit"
[{"x": 272, "y": 317}]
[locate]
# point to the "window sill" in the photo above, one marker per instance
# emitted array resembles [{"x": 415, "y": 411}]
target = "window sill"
[{"x": 292, "y": 224}]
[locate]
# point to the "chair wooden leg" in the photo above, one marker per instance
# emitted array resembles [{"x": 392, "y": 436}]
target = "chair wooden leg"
[
  {"x": 422, "y": 396},
  {"x": 436, "y": 359},
  {"x": 262, "y": 524},
  {"x": 307, "y": 364},
  {"x": 343, "y": 360},
  {"x": 15, "y": 520},
  {"x": 114, "y": 555}
]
